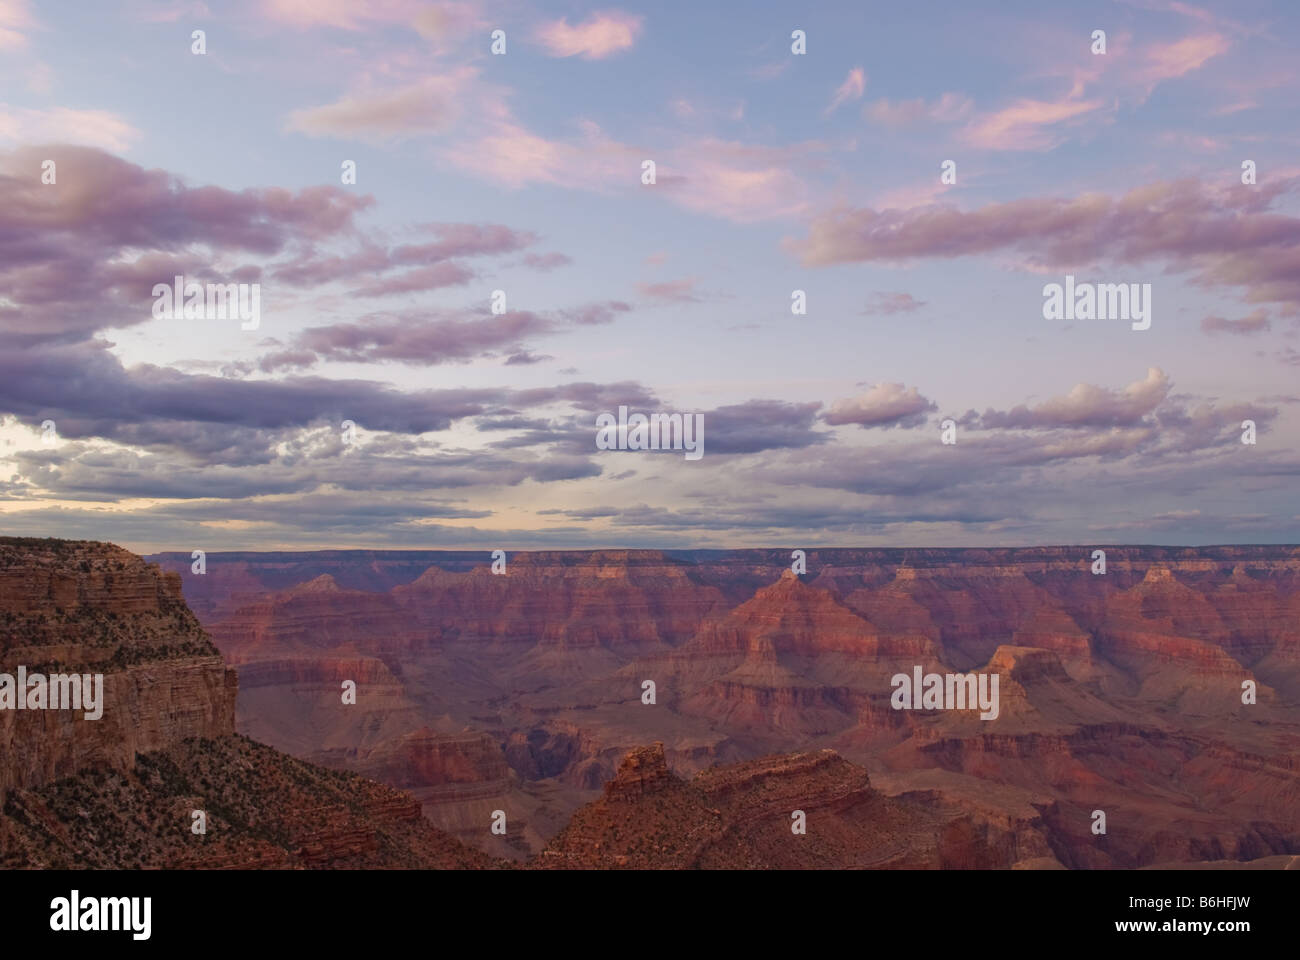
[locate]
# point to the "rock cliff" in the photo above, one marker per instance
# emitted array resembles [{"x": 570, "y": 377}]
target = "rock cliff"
[{"x": 94, "y": 608}]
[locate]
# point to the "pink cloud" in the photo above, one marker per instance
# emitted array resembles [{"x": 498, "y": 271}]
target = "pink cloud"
[
  {"x": 15, "y": 20},
  {"x": 440, "y": 24},
  {"x": 914, "y": 195},
  {"x": 96, "y": 128},
  {"x": 1166, "y": 61},
  {"x": 512, "y": 155},
  {"x": 670, "y": 291},
  {"x": 900, "y": 113},
  {"x": 1027, "y": 124},
  {"x": 1195, "y": 13},
  {"x": 737, "y": 181},
  {"x": 601, "y": 35},
  {"x": 883, "y": 405},
  {"x": 1086, "y": 405},
  {"x": 1236, "y": 107},
  {"x": 728, "y": 179},
  {"x": 445, "y": 21},
  {"x": 854, "y": 85},
  {"x": 1098, "y": 85},
  {"x": 430, "y": 105},
  {"x": 343, "y": 14}
]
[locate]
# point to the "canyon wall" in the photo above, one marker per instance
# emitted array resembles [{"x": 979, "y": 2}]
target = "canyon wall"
[{"x": 94, "y": 608}]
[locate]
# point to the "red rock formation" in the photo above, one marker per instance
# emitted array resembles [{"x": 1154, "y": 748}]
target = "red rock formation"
[
  {"x": 643, "y": 771},
  {"x": 740, "y": 816},
  {"x": 79, "y": 607},
  {"x": 1118, "y": 689}
]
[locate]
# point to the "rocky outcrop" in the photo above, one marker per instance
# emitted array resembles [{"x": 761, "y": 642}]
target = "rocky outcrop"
[
  {"x": 786, "y": 812},
  {"x": 92, "y": 608},
  {"x": 643, "y": 771}
]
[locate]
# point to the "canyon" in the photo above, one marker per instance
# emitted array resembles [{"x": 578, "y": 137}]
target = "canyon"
[
  {"x": 524, "y": 694},
  {"x": 522, "y": 691}
]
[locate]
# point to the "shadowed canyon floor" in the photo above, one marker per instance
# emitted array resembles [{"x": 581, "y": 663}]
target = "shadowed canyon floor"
[{"x": 523, "y": 691}]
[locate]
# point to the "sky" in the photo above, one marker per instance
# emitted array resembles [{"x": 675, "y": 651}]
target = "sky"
[{"x": 461, "y": 264}]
